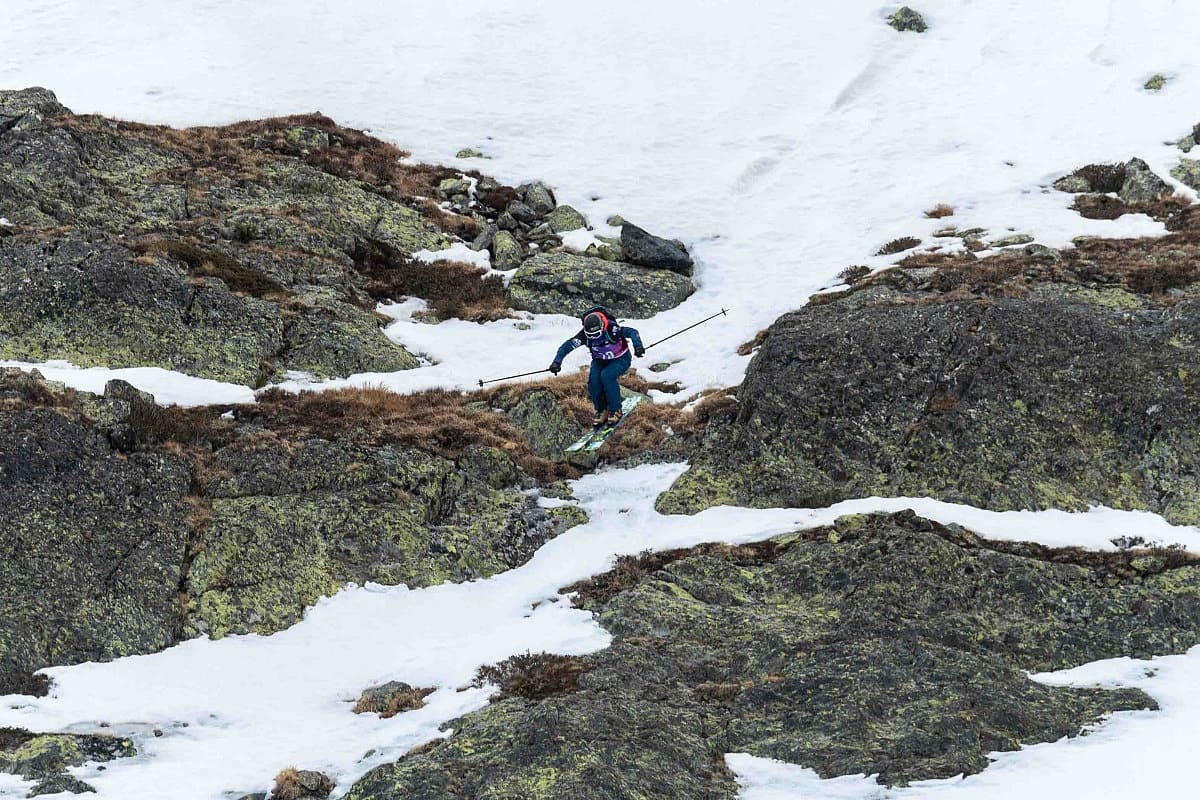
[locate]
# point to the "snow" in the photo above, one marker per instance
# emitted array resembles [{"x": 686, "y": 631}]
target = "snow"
[
  {"x": 781, "y": 141},
  {"x": 235, "y": 710},
  {"x": 168, "y": 387}
]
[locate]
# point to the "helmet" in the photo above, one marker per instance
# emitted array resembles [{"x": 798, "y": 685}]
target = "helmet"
[{"x": 594, "y": 323}]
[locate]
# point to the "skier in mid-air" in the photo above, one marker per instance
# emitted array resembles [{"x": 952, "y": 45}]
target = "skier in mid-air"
[{"x": 608, "y": 342}]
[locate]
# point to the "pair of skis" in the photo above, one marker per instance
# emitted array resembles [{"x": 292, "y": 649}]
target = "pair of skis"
[{"x": 595, "y": 438}]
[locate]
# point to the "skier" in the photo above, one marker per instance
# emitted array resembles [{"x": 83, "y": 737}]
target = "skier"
[{"x": 608, "y": 342}]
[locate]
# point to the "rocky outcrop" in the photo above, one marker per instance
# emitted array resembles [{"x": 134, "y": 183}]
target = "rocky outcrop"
[
  {"x": 128, "y": 527},
  {"x": 46, "y": 758},
  {"x": 1133, "y": 182},
  {"x": 883, "y": 644},
  {"x": 563, "y": 283},
  {"x": 1008, "y": 383}
]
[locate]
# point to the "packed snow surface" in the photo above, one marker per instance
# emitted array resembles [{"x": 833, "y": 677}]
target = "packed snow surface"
[
  {"x": 234, "y": 711},
  {"x": 782, "y": 141}
]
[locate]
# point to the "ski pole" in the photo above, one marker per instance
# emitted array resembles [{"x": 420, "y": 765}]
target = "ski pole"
[
  {"x": 721, "y": 313},
  {"x": 510, "y": 377}
]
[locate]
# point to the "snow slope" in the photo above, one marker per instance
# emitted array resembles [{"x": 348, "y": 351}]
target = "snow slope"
[
  {"x": 782, "y": 140},
  {"x": 234, "y": 710}
]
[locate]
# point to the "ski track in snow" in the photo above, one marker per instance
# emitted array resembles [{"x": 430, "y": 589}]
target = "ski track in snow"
[
  {"x": 255, "y": 704},
  {"x": 782, "y": 142}
]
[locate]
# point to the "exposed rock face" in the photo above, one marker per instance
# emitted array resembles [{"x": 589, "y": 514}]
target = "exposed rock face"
[
  {"x": 46, "y": 758},
  {"x": 112, "y": 544},
  {"x": 1133, "y": 181},
  {"x": 884, "y": 644},
  {"x": 1039, "y": 395},
  {"x": 563, "y": 283},
  {"x": 647, "y": 250},
  {"x": 242, "y": 241}
]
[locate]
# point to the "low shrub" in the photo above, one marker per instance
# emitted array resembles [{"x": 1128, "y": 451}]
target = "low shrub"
[{"x": 533, "y": 676}]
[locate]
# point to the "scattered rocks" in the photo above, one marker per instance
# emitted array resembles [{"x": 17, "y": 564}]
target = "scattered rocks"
[
  {"x": 647, "y": 250},
  {"x": 906, "y": 19},
  {"x": 564, "y": 283},
  {"x": 1009, "y": 241}
]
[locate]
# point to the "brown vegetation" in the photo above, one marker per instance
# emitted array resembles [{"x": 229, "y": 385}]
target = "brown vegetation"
[
  {"x": 451, "y": 289},
  {"x": 939, "y": 211},
  {"x": 630, "y": 570},
  {"x": 898, "y": 245},
  {"x": 533, "y": 676},
  {"x": 854, "y": 273},
  {"x": 397, "y": 702}
]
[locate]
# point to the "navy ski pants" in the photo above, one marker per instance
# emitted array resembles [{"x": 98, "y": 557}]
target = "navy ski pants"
[{"x": 602, "y": 382}]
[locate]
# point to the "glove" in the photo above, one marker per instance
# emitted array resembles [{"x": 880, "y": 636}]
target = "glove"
[
  {"x": 556, "y": 367},
  {"x": 639, "y": 351}
]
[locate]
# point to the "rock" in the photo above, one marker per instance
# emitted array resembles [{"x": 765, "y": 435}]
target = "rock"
[
  {"x": 1141, "y": 185},
  {"x": 47, "y": 756},
  {"x": 522, "y": 212},
  {"x": 492, "y": 466},
  {"x": 16, "y": 104},
  {"x": 1009, "y": 241},
  {"x": 564, "y": 283},
  {"x": 539, "y": 198},
  {"x": 1032, "y": 388},
  {"x": 1073, "y": 184},
  {"x": 564, "y": 218},
  {"x": 506, "y": 251},
  {"x": 390, "y": 699},
  {"x": 507, "y": 222},
  {"x": 661, "y": 366},
  {"x": 647, "y": 250},
  {"x": 303, "y": 784},
  {"x": 305, "y": 136},
  {"x": 905, "y": 19},
  {"x": 1187, "y": 172},
  {"x": 615, "y": 221},
  {"x": 1155, "y": 83},
  {"x": 499, "y": 197},
  {"x": 452, "y": 187},
  {"x": 1042, "y": 251},
  {"x": 879, "y": 645},
  {"x": 485, "y": 238},
  {"x": 469, "y": 152},
  {"x": 547, "y": 427},
  {"x": 58, "y": 784},
  {"x": 1186, "y": 143}
]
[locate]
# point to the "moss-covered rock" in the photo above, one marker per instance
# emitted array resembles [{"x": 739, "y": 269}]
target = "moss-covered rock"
[
  {"x": 1066, "y": 397},
  {"x": 565, "y": 283},
  {"x": 883, "y": 644},
  {"x": 46, "y": 757},
  {"x": 906, "y": 19}
]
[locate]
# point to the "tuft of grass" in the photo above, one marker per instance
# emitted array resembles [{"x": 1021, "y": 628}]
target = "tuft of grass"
[
  {"x": 898, "y": 245},
  {"x": 451, "y": 289},
  {"x": 287, "y": 785},
  {"x": 1102, "y": 178},
  {"x": 397, "y": 702},
  {"x": 939, "y": 211},
  {"x": 854, "y": 273},
  {"x": 533, "y": 676},
  {"x": 746, "y": 348}
]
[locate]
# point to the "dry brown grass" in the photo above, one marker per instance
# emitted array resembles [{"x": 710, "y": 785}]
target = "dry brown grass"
[
  {"x": 287, "y": 785},
  {"x": 464, "y": 228},
  {"x": 630, "y": 570},
  {"x": 898, "y": 245},
  {"x": 746, "y": 348},
  {"x": 436, "y": 421},
  {"x": 854, "y": 273},
  {"x": 939, "y": 211},
  {"x": 533, "y": 676},
  {"x": 397, "y": 703},
  {"x": 451, "y": 289}
]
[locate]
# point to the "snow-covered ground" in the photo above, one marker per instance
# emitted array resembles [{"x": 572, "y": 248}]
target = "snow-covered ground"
[
  {"x": 781, "y": 140},
  {"x": 234, "y": 710}
]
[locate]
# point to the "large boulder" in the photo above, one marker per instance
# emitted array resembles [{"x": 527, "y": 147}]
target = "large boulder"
[
  {"x": 1062, "y": 396},
  {"x": 1141, "y": 185},
  {"x": 648, "y": 250},
  {"x": 564, "y": 283},
  {"x": 883, "y": 645}
]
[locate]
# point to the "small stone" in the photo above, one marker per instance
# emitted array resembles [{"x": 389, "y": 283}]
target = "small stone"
[
  {"x": 1148, "y": 565},
  {"x": 1073, "y": 184},
  {"x": 661, "y": 366},
  {"x": 522, "y": 212},
  {"x": 616, "y": 220},
  {"x": 1187, "y": 172},
  {"x": 905, "y": 19},
  {"x": 647, "y": 250},
  {"x": 1186, "y": 143},
  {"x": 507, "y": 222},
  {"x": 506, "y": 251},
  {"x": 307, "y": 137},
  {"x": 1009, "y": 241},
  {"x": 565, "y": 218},
  {"x": 1042, "y": 251},
  {"x": 56, "y": 784},
  {"x": 539, "y": 198},
  {"x": 469, "y": 152},
  {"x": 484, "y": 240},
  {"x": 1155, "y": 83},
  {"x": 1141, "y": 184},
  {"x": 451, "y": 187}
]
